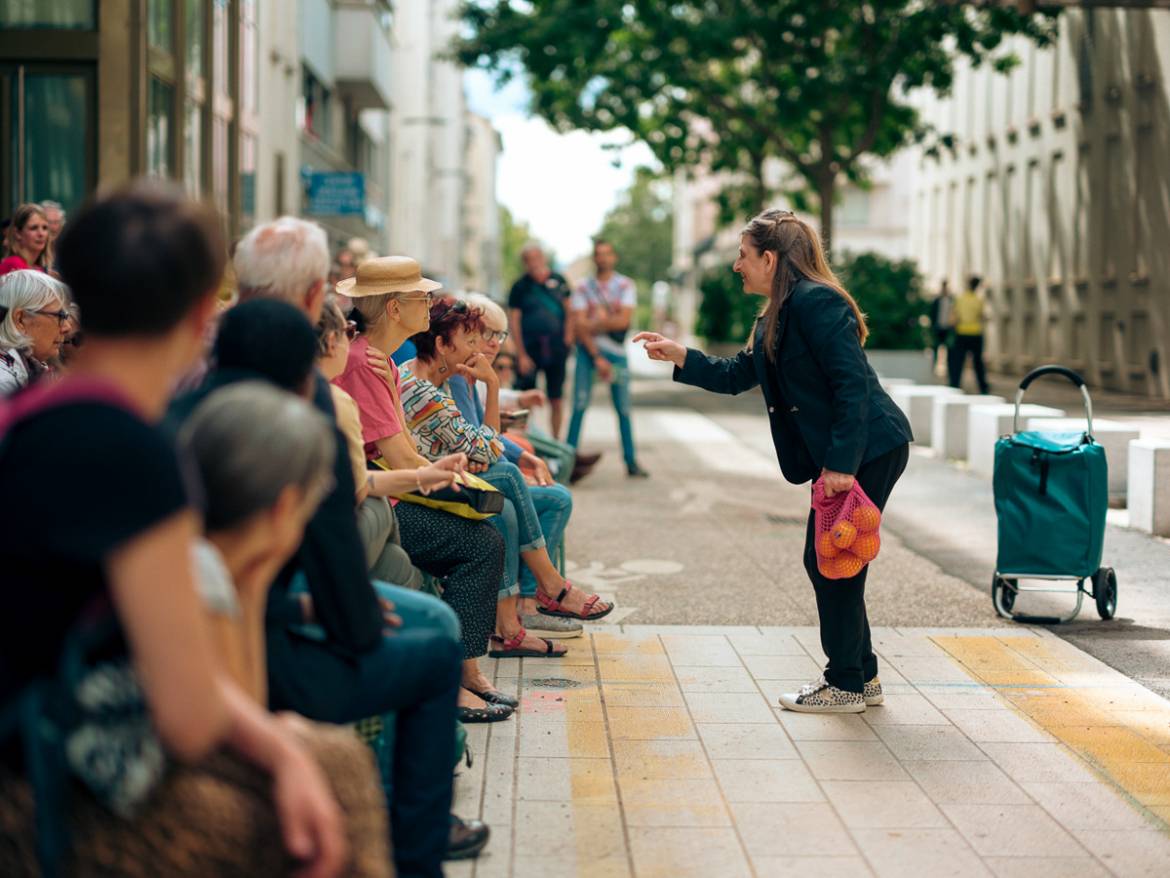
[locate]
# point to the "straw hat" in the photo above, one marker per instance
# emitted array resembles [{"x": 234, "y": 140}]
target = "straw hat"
[{"x": 387, "y": 274}]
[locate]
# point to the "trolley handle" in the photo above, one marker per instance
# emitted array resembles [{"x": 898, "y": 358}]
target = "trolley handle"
[{"x": 1064, "y": 371}]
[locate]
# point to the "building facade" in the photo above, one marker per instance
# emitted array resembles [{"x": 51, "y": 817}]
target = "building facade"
[
  {"x": 481, "y": 255},
  {"x": 1056, "y": 193}
]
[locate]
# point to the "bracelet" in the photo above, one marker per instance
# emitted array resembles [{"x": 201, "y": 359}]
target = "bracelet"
[{"x": 418, "y": 479}]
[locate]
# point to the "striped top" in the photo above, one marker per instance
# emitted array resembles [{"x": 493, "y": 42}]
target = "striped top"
[{"x": 439, "y": 428}]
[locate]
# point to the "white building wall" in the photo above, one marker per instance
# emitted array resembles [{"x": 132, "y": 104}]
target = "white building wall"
[
  {"x": 277, "y": 146},
  {"x": 481, "y": 244},
  {"x": 1056, "y": 193},
  {"x": 410, "y": 162}
]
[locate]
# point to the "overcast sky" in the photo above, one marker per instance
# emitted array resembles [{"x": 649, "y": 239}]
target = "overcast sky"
[{"x": 561, "y": 184}]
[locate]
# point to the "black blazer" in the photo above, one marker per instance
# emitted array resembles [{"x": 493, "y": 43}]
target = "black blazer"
[{"x": 826, "y": 407}]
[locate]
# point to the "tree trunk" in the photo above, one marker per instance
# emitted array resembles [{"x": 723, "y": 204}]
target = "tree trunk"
[{"x": 827, "y": 188}]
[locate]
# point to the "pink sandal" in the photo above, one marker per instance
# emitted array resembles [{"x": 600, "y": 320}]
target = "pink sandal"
[
  {"x": 555, "y": 607},
  {"x": 511, "y": 648}
]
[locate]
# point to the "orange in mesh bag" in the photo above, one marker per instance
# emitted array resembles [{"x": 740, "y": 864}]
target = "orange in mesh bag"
[{"x": 847, "y": 535}]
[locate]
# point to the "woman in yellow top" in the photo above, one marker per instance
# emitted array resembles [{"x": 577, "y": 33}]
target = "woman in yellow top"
[{"x": 968, "y": 313}]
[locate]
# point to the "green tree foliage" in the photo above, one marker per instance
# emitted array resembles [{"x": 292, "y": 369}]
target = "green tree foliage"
[
  {"x": 730, "y": 84},
  {"x": 726, "y": 312},
  {"x": 890, "y": 295},
  {"x": 641, "y": 228},
  {"x": 513, "y": 236}
]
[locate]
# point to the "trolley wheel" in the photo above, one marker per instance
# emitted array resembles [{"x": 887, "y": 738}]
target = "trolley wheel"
[
  {"x": 1105, "y": 592},
  {"x": 1003, "y": 595}
]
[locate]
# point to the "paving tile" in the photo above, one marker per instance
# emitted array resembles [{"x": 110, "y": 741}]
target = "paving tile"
[
  {"x": 771, "y": 829},
  {"x": 996, "y": 725},
  {"x": 1039, "y": 763},
  {"x": 673, "y": 802},
  {"x": 559, "y": 739},
  {"x": 811, "y": 867},
  {"x": 905, "y": 708},
  {"x": 538, "y": 677},
  {"x": 890, "y": 805},
  {"x": 771, "y": 643},
  {"x": 1111, "y": 744},
  {"x": 825, "y": 727},
  {"x": 901, "y": 853},
  {"x": 928, "y": 742},
  {"x": 700, "y": 650},
  {"x": 644, "y": 723},
  {"x": 977, "y": 783},
  {"x": 717, "y": 679},
  {"x": 635, "y": 669},
  {"x": 1138, "y": 854},
  {"x": 669, "y": 853},
  {"x": 782, "y": 667},
  {"x": 773, "y": 689},
  {"x": 642, "y": 695},
  {"x": 933, "y": 669},
  {"x": 1011, "y": 830},
  {"x": 499, "y": 777},
  {"x": 661, "y": 760},
  {"x": 1046, "y": 867},
  {"x": 496, "y": 859},
  {"x": 564, "y": 831},
  {"x": 561, "y": 705},
  {"x": 775, "y": 780},
  {"x": 460, "y": 869},
  {"x": 850, "y": 760},
  {"x": 550, "y": 779},
  {"x": 746, "y": 741},
  {"x": 729, "y": 708},
  {"x": 548, "y": 867},
  {"x": 810, "y": 639},
  {"x": 625, "y": 644},
  {"x": 1148, "y": 782},
  {"x": 1154, "y": 726},
  {"x": 1086, "y": 806},
  {"x": 961, "y": 696}
]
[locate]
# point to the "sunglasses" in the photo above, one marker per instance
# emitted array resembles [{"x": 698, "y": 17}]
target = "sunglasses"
[
  {"x": 490, "y": 335},
  {"x": 351, "y": 330},
  {"x": 457, "y": 307}
]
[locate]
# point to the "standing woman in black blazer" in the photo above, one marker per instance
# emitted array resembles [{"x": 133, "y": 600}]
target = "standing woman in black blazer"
[{"x": 829, "y": 417}]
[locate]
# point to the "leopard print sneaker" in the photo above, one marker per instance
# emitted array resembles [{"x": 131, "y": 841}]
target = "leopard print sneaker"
[
  {"x": 873, "y": 692},
  {"x": 820, "y": 697}
]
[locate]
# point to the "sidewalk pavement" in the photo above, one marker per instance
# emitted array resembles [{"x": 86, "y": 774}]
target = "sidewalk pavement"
[{"x": 659, "y": 751}]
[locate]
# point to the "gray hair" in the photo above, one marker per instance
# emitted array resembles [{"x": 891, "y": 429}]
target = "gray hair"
[
  {"x": 490, "y": 308},
  {"x": 282, "y": 259},
  {"x": 530, "y": 246},
  {"x": 27, "y": 290},
  {"x": 250, "y": 441},
  {"x": 53, "y": 205},
  {"x": 373, "y": 308}
]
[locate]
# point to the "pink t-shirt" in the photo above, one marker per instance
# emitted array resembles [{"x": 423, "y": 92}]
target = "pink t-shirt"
[{"x": 372, "y": 394}]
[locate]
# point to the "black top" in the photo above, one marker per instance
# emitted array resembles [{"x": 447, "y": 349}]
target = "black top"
[
  {"x": 826, "y": 407},
  {"x": 331, "y": 556},
  {"x": 542, "y": 306},
  {"x": 79, "y": 481}
]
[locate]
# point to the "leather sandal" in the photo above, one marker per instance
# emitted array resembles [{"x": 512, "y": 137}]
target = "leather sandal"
[
  {"x": 511, "y": 647},
  {"x": 495, "y": 696},
  {"x": 555, "y": 606}
]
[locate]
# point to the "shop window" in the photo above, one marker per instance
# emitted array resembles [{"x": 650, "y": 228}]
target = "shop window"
[
  {"x": 193, "y": 149},
  {"x": 159, "y": 125},
  {"x": 196, "y": 35},
  {"x": 316, "y": 101},
  {"x": 160, "y": 24},
  {"x": 49, "y": 14}
]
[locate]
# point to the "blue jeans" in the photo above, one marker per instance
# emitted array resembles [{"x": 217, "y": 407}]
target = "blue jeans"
[
  {"x": 527, "y": 511},
  {"x": 554, "y": 505},
  {"x": 619, "y": 389}
]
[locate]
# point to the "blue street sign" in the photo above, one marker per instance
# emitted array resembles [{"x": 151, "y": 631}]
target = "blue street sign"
[{"x": 334, "y": 193}]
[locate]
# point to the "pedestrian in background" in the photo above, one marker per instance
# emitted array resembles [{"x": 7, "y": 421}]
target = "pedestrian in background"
[
  {"x": 541, "y": 329},
  {"x": 941, "y": 326},
  {"x": 829, "y": 416},
  {"x": 970, "y": 317},
  {"x": 603, "y": 307},
  {"x": 27, "y": 241}
]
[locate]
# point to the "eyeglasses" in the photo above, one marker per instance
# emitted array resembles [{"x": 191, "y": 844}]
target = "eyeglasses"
[
  {"x": 490, "y": 335},
  {"x": 457, "y": 307},
  {"x": 425, "y": 297},
  {"x": 351, "y": 330},
  {"x": 62, "y": 316}
]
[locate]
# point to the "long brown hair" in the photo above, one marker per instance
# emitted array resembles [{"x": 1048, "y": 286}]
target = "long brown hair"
[
  {"x": 798, "y": 254},
  {"x": 20, "y": 218}
]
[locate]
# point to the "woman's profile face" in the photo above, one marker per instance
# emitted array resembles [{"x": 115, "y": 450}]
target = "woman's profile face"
[
  {"x": 45, "y": 329},
  {"x": 492, "y": 340},
  {"x": 463, "y": 346},
  {"x": 756, "y": 268}
]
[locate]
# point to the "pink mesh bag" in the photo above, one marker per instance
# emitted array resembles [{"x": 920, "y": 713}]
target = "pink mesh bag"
[{"x": 847, "y": 527}]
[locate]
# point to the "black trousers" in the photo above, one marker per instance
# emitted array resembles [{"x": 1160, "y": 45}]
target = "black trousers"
[
  {"x": 841, "y": 602},
  {"x": 961, "y": 346}
]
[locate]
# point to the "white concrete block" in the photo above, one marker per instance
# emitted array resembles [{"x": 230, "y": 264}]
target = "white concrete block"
[
  {"x": 1114, "y": 437},
  {"x": 889, "y": 384},
  {"x": 986, "y": 423},
  {"x": 917, "y": 403},
  {"x": 1149, "y": 486},
  {"x": 948, "y": 431}
]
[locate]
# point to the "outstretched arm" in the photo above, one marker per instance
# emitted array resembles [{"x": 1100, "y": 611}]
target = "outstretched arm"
[{"x": 718, "y": 374}]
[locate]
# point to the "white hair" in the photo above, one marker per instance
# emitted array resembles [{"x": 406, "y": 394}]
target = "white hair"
[
  {"x": 26, "y": 290},
  {"x": 53, "y": 205},
  {"x": 491, "y": 308},
  {"x": 282, "y": 259}
]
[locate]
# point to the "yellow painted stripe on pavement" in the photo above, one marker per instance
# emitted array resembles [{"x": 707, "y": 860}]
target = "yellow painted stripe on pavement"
[{"x": 1117, "y": 726}]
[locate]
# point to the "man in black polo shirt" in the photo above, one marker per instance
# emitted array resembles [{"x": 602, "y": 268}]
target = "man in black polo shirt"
[{"x": 541, "y": 328}]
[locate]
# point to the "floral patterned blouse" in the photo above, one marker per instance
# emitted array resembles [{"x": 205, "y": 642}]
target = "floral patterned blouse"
[{"x": 437, "y": 425}]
